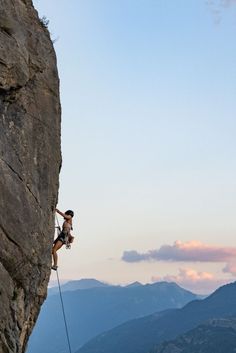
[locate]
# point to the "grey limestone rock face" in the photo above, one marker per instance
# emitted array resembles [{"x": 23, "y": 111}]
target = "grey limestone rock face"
[{"x": 30, "y": 161}]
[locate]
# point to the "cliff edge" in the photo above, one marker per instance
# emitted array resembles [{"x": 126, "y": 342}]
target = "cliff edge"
[{"x": 30, "y": 161}]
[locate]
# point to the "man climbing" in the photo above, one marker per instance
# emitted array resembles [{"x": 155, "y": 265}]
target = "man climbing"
[{"x": 64, "y": 236}]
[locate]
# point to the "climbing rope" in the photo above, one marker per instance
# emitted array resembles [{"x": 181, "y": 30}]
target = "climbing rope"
[
  {"x": 64, "y": 315},
  {"x": 58, "y": 225}
]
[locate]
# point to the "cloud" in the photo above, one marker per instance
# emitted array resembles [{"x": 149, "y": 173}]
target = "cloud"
[
  {"x": 199, "y": 282},
  {"x": 192, "y": 251},
  {"x": 220, "y": 4},
  {"x": 230, "y": 268},
  {"x": 217, "y": 6},
  {"x": 227, "y": 3}
]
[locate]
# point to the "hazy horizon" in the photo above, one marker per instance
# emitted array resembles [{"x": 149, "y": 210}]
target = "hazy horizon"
[{"x": 54, "y": 284}]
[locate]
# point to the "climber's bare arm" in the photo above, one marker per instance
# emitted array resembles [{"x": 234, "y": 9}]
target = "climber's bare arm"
[{"x": 63, "y": 214}]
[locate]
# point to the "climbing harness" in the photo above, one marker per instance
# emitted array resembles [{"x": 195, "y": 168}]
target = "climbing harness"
[
  {"x": 67, "y": 242},
  {"x": 64, "y": 315}
]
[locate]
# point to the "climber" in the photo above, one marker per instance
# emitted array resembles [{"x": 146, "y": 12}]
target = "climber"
[{"x": 64, "y": 235}]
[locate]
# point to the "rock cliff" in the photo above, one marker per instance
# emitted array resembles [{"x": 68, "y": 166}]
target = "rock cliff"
[{"x": 30, "y": 161}]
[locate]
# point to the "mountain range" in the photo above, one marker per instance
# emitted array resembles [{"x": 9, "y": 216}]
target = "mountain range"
[
  {"x": 142, "y": 334},
  {"x": 91, "y": 311},
  {"x": 85, "y": 283},
  {"x": 216, "y": 335}
]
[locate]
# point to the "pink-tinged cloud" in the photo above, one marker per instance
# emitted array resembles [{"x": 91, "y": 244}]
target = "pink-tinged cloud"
[
  {"x": 198, "y": 282},
  {"x": 192, "y": 251},
  {"x": 230, "y": 267}
]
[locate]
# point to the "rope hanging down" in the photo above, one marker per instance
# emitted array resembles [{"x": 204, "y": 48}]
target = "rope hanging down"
[
  {"x": 64, "y": 315},
  {"x": 58, "y": 225}
]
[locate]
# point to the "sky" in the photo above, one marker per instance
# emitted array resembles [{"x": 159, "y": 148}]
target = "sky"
[{"x": 148, "y": 138}]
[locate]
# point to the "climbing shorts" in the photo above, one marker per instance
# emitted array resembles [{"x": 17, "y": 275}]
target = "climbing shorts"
[{"x": 61, "y": 237}]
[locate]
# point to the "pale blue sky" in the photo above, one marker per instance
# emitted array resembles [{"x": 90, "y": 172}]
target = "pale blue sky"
[{"x": 148, "y": 129}]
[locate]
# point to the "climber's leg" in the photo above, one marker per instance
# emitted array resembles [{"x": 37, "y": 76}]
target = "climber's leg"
[{"x": 56, "y": 247}]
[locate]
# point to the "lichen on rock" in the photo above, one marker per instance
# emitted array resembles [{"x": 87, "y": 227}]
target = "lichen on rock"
[{"x": 30, "y": 160}]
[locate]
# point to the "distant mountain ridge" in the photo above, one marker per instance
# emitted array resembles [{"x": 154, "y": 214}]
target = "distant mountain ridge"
[
  {"x": 140, "y": 335},
  {"x": 92, "y": 311},
  {"x": 84, "y": 283},
  {"x": 216, "y": 335},
  {"x": 134, "y": 284}
]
